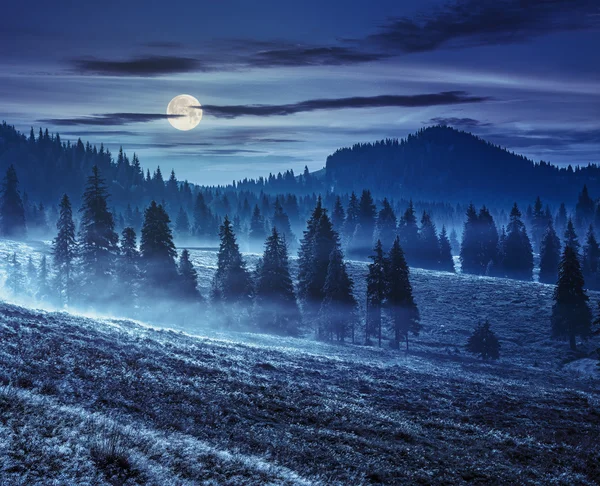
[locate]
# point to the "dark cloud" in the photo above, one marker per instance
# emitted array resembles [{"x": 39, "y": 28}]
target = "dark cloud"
[
  {"x": 92, "y": 133},
  {"x": 419, "y": 100},
  {"x": 311, "y": 56},
  {"x": 108, "y": 119},
  {"x": 457, "y": 122},
  {"x": 141, "y": 66},
  {"x": 482, "y": 22},
  {"x": 163, "y": 45}
]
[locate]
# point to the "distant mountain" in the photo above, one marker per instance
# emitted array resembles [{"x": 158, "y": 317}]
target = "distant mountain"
[{"x": 442, "y": 163}]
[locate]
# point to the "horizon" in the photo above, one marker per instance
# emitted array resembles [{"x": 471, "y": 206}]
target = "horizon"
[{"x": 279, "y": 96}]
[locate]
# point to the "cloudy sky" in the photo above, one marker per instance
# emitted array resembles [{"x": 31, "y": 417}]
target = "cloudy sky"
[{"x": 284, "y": 84}]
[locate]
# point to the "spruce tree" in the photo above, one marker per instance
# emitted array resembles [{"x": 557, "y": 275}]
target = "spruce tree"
[
  {"x": 98, "y": 239},
  {"x": 157, "y": 253},
  {"x": 64, "y": 250},
  {"x": 15, "y": 280},
  {"x": 571, "y": 314},
  {"x": 43, "y": 290},
  {"x": 231, "y": 283},
  {"x": 257, "y": 232},
  {"x": 446, "y": 262},
  {"x": 470, "y": 248},
  {"x": 590, "y": 260},
  {"x": 386, "y": 224},
  {"x": 318, "y": 242},
  {"x": 539, "y": 223},
  {"x": 571, "y": 238},
  {"x": 549, "y": 255},
  {"x": 408, "y": 231},
  {"x": 275, "y": 306},
  {"x": 12, "y": 210},
  {"x": 188, "y": 278},
  {"x": 454, "y": 243},
  {"x": 281, "y": 222},
  {"x": 399, "y": 299},
  {"x": 367, "y": 213},
  {"x": 338, "y": 309},
  {"x": 352, "y": 217},
  {"x": 429, "y": 249},
  {"x": 584, "y": 210},
  {"x": 128, "y": 271},
  {"x": 182, "y": 224},
  {"x": 484, "y": 342},
  {"x": 517, "y": 259},
  {"x": 376, "y": 292},
  {"x": 488, "y": 240},
  {"x": 338, "y": 215}
]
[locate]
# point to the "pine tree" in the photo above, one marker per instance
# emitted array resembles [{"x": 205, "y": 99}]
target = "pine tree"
[
  {"x": 231, "y": 283},
  {"x": 318, "y": 242},
  {"x": 12, "y": 210},
  {"x": 584, "y": 210},
  {"x": 484, "y": 342},
  {"x": 98, "y": 239},
  {"x": 182, "y": 224},
  {"x": 275, "y": 306},
  {"x": 386, "y": 224},
  {"x": 188, "y": 278},
  {"x": 488, "y": 238},
  {"x": 203, "y": 218},
  {"x": 446, "y": 262},
  {"x": 352, "y": 217},
  {"x": 470, "y": 248},
  {"x": 31, "y": 272},
  {"x": 408, "y": 231},
  {"x": 43, "y": 292},
  {"x": 157, "y": 252},
  {"x": 517, "y": 259},
  {"x": 399, "y": 299},
  {"x": 128, "y": 271},
  {"x": 338, "y": 215},
  {"x": 429, "y": 249},
  {"x": 257, "y": 232},
  {"x": 571, "y": 314},
  {"x": 64, "y": 250},
  {"x": 571, "y": 238},
  {"x": 15, "y": 280},
  {"x": 591, "y": 260},
  {"x": 454, "y": 243},
  {"x": 561, "y": 219},
  {"x": 549, "y": 255},
  {"x": 376, "y": 292},
  {"x": 367, "y": 213},
  {"x": 338, "y": 309},
  {"x": 539, "y": 223},
  {"x": 281, "y": 222}
]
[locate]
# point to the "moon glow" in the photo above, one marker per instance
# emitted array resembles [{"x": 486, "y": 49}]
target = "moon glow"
[{"x": 189, "y": 117}]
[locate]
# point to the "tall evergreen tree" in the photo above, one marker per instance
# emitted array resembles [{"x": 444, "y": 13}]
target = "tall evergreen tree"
[
  {"x": 128, "y": 271},
  {"x": 367, "y": 213},
  {"x": 429, "y": 249},
  {"x": 276, "y": 309},
  {"x": 257, "y": 232},
  {"x": 408, "y": 231},
  {"x": 571, "y": 238},
  {"x": 231, "y": 283},
  {"x": 98, "y": 239},
  {"x": 517, "y": 259},
  {"x": 338, "y": 309},
  {"x": 15, "y": 280},
  {"x": 488, "y": 237},
  {"x": 182, "y": 224},
  {"x": 386, "y": 224},
  {"x": 188, "y": 278},
  {"x": 539, "y": 223},
  {"x": 43, "y": 291},
  {"x": 338, "y": 215},
  {"x": 484, "y": 342},
  {"x": 157, "y": 253},
  {"x": 454, "y": 243},
  {"x": 561, "y": 219},
  {"x": 591, "y": 260},
  {"x": 571, "y": 314},
  {"x": 281, "y": 221},
  {"x": 64, "y": 250},
  {"x": 376, "y": 292},
  {"x": 352, "y": 217},
  {"x": 470, "y": 248},
  {"x": 446, "y": 262},
  {"x": 400, "y": 302},
  {"x": 12, "y": 210},
  {"x": 549, "y": 255},
  {"x": 584, "y": 210}
]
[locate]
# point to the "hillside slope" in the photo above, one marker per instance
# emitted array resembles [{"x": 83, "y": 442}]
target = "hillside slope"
[
  {"x": 444, "y": 164},
  {"x": 107, "y": 401}
]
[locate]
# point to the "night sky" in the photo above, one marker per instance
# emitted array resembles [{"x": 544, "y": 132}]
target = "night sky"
[{"x": 284, "y": 84}]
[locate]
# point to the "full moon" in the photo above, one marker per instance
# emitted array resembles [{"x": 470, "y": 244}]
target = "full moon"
[{"x": 189, "y": 117}]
